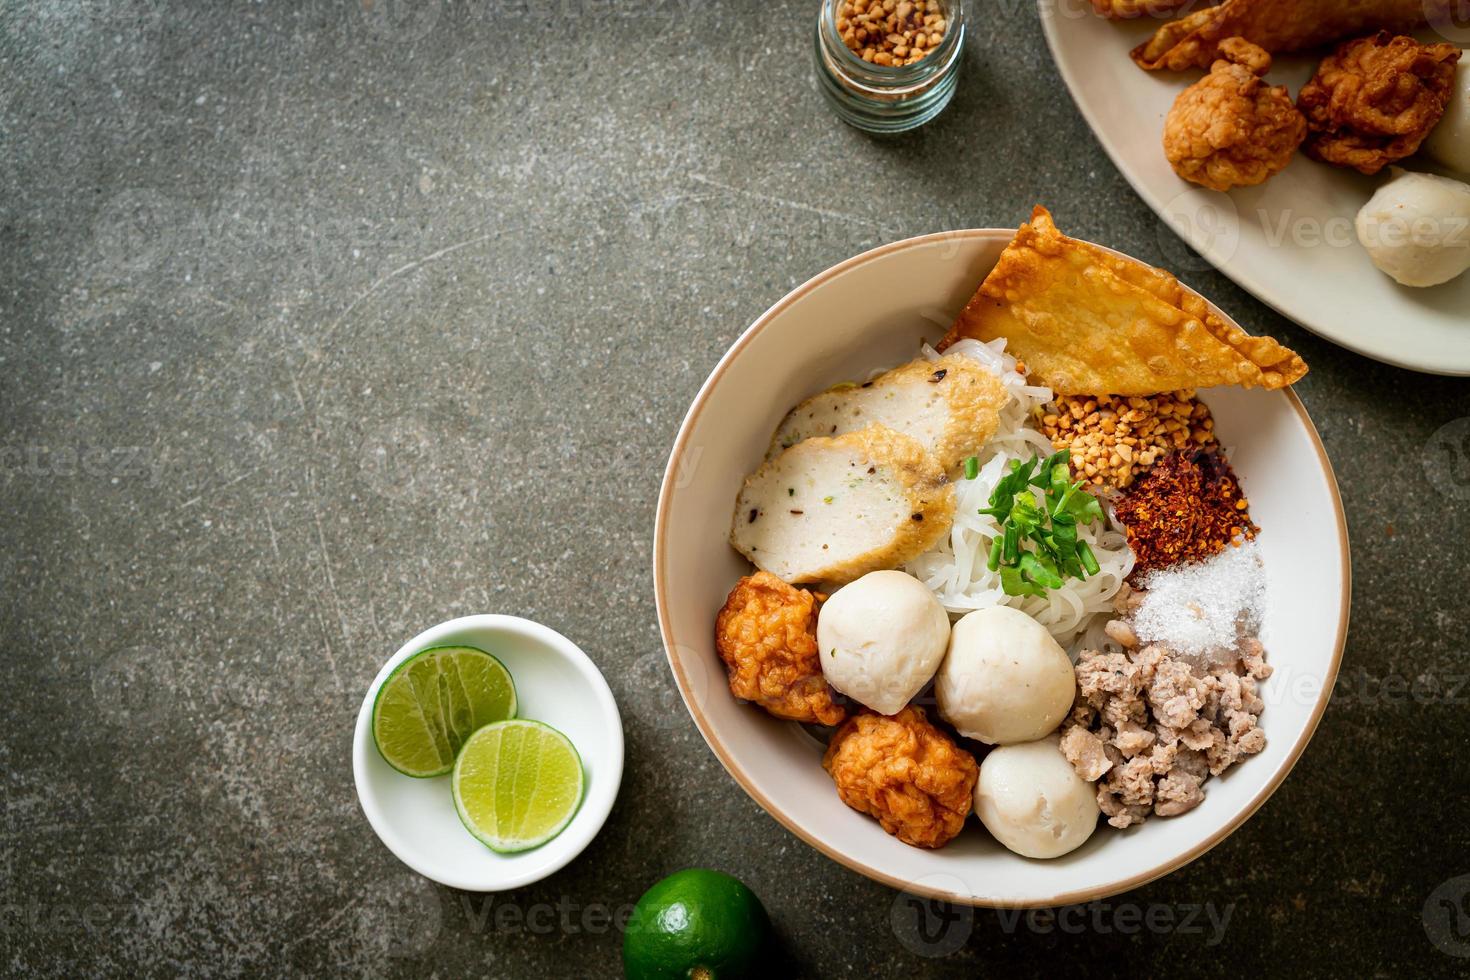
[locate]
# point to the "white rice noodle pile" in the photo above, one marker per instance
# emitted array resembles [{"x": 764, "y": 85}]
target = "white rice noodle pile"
[{"x": 955, "y": 569}]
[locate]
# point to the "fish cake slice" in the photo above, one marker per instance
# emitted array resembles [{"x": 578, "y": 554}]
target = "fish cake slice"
[
  {"x": 951, "y": 406},
  {"x": 831, "y": 509}
]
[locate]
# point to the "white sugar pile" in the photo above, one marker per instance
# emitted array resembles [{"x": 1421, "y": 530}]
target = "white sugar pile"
[{"x": 1204, "y": 607}]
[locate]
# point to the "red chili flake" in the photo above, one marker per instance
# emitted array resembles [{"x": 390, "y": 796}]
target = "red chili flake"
[{"x": 1187, "y": 508}]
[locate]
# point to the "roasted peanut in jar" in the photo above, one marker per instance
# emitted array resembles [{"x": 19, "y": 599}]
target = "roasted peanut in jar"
[{"x": 890, "y": 32}]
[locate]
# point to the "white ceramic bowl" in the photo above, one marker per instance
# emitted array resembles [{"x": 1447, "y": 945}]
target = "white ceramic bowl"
[
  {"x": 870, "y": 312},
  {"x": 556, "y": 683}
]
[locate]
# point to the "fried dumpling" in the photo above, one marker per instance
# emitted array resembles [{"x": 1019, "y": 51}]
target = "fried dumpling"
[
  {"x": 1193, "y": 41},
  {"x": 1231, "y": 129},
  {"x": 1085, "y": 320}
]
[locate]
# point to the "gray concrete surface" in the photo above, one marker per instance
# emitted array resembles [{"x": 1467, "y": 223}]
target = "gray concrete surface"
[{"x": 323, "y": 322}]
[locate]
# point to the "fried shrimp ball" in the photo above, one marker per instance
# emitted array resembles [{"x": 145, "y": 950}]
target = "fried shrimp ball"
[
  {"x": 766, "y": 635},
  {"x": 1231, "y": 129},
  {"x": 1375, "y": 99},
  {"x": 905, "y": 772}
]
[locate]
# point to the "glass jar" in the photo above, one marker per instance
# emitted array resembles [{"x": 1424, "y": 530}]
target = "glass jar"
[{"x": 888, "y": 99}]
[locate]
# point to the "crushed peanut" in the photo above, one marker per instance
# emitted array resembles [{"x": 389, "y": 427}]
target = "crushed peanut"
[
  {"x": 891, "y": 32},
  {"x": 1114, "y": 438}
]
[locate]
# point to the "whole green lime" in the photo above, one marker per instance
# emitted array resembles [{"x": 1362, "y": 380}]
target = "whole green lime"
[{"x": 696, "y": 924}]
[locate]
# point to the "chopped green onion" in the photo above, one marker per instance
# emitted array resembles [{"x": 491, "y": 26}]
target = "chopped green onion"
[
  {"x": 972, "y": 467},
  {"x": 1056, "y": 552},
  {"x": 1089, "y": 560}
]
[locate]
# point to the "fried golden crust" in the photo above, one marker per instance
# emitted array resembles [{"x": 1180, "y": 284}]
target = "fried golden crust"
[
  {"x": 1231, "y": 129},
  {"x": 1087, "y": 320},
  {"x": 906, "y": 773},
  {"x": 766, "y": 634},
  {"x": 1375, "y": 99},
  {"x": 1193, "y": 41},
  {"x": 972, "y": 394}
]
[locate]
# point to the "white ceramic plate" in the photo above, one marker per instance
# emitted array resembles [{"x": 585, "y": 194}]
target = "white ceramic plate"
[
  {"x": 556, "y": 683},
  {"x": 873, "y": 311},
  {"x": 1289, "y": 241}
]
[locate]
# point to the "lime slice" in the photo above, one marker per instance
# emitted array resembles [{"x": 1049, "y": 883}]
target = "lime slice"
[
  {"x": 517, "y": 784},
  {"x": 433, "y": 702}
]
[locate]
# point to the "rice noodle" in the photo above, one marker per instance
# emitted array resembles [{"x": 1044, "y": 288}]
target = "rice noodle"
[{"x": 955, "y": 568}]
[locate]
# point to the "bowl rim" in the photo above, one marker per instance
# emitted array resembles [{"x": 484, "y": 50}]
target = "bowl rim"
[
  {"x": 597, "y": 803},
  {"x": 1078, "y": 896}
]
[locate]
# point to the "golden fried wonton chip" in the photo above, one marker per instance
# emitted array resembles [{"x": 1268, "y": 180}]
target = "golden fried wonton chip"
[
  {"x": 1193, "y": 41},
  {"x": 1088, "y": 321}
]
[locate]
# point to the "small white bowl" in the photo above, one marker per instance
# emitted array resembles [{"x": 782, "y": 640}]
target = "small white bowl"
[
  {"x": 556, "y": 683},
  {"x": 871, "y": 312}
]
